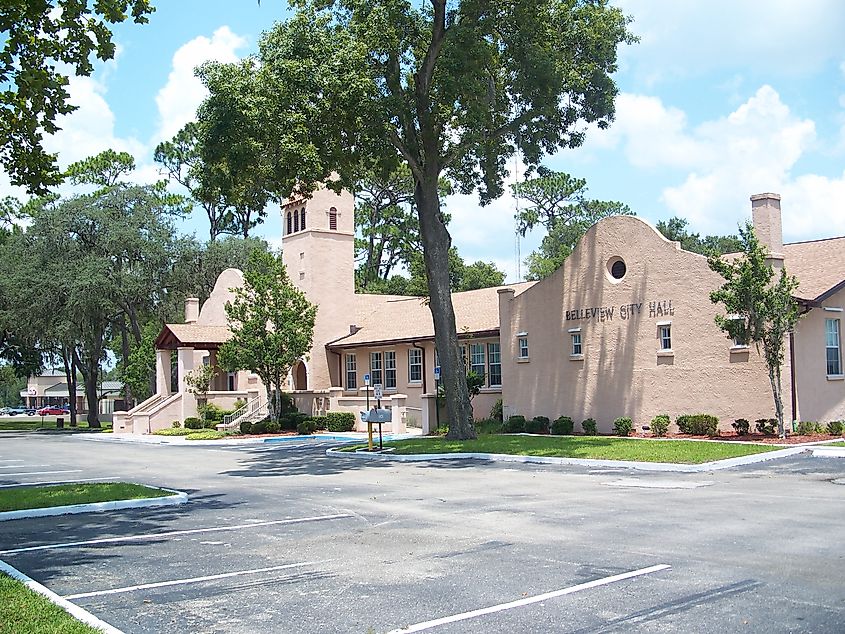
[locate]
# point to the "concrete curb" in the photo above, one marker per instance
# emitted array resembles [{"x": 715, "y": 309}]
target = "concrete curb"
[
  {"x": 584, "y": 462},
  {"x": 178, "y": 497},
  {"x": 264, "y": 440},
  {"x": 74, "y": 610},
  {"x": 828, "y": 452}
]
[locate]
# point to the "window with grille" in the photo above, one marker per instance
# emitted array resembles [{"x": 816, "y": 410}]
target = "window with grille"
[
  {"x": 494, "y": 359},
  {"x": 665, "y": 336},
  {"x": 351, "y": 372},
  {"x": 523, "y": 347},
  {"x": 290, "y": 223},
  {"x": 302, "y": 219},
  {"x": 833, "y": 350},
  {"x": 577, "y": 349},
  {"x": 390, "y": 369},
  {"x": 333, "y": 219},
  {"x": 414, "y": 365},
  {"x": 476, "y": 359},
  {"x": 295, "y": 221},
  {"x": 375, "y": 369}
]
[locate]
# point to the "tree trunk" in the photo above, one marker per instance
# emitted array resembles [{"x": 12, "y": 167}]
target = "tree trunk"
[
  {"x": 70, "y": 375},
  {"x": 125, "y": 351},
  {"x": 774, "y": 379},
  {"x": 436, "y": 242}
]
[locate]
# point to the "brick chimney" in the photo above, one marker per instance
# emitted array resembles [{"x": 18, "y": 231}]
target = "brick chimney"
[
  {"x": 192, "y": 310},
  {"x": 765, "y": 214}
]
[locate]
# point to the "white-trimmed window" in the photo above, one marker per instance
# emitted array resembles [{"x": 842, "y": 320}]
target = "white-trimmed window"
[
  {"x": 476, "y": 359},
  {"x": 390, "y": 370},
  {"x": 351, "y": 372},
  {"x": 522, "y": 342},
  {"x": 494, "y": 359},
  {"x": 414, "y": 365},
  {"x": 375, "y": 368},
  {"x": 464, "y": 356},
  {"x": 833, "y": 349},
  {"x": 577, "y": 349},
  {"x": 664, "y": 335}
]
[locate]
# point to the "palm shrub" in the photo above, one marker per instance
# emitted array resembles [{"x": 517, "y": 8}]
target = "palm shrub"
[
  {"x": 834, "y": 427},
  {"x": 741, "y": 426},
  {"x": 766, "y": 426},
  {"x": 623, "y": 426},
  {"x": 589, "y": 426},
  {"x": 496, "y": 411},
  {"x": 660, "y": 425},
  {"x": 808, "y": 427},
  {"x": 563, "y": 426}
]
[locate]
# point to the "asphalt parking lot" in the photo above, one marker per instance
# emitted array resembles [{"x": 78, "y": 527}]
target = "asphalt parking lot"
[{"x": 286, "y": 539}]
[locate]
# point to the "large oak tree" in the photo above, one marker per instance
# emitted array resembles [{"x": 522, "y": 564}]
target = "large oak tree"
[{"x": 448, "y": 89}]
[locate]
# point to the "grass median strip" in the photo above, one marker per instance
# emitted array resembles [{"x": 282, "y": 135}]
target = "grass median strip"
[
  {"x": 18, "y": 499},
  {"x": 594, "y": 447},
  {"x": 23, "y": 611}
]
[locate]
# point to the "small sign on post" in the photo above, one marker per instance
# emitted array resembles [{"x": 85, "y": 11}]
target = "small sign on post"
[
  {"x": 377, "y": 392},
  {"x": 437, "y": 373},
  {"x": 367, "y": 379}
]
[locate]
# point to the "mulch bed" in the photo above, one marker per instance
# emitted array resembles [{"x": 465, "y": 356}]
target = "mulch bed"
[{"x": 791, "y": 439}]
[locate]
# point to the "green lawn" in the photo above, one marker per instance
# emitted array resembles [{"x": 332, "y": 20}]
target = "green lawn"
[
  {"x": 19, "y": 498},
  {"x": 23, "y": 611},
  {"x": 26, "y": 423},
  {"x": 597, "y": 447}
]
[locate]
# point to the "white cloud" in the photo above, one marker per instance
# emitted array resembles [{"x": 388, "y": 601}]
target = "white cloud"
[
  {"x": 687, "y": 38},
  {"x": 180, "y": 97}
]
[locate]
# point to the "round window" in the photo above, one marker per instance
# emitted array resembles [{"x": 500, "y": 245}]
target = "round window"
[{"x": 618, "y": 269}]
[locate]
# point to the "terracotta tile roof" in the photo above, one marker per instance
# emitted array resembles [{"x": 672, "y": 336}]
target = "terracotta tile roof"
[
  {"x": 384, "y": 318},
  {"x": 819, "y": 265}
]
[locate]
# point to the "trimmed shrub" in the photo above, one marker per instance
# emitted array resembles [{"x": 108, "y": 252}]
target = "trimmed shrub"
[
  {"x": 808, "y": 427},
  {"x": 741, "y": 426},
  {"x": 192, "y": 422},
  {"x": 272, "y": 427},
  {"x": 766, "y": 426},
  {"x": 176, "y": 424},
  {"x": 515, "y": 425},
  {"x": 589, "y": 426},
  {"x": 306, "y": 427},
  {"x": 835, "y": 427},
  {"x": 537, "y": 425},
  {"x": 660, "y": 425},
  {"x": 496, "y": 412},
  {"x": 698, "y": 424},
  {"x": 320, "y": 422},
  {"x": 291, "y": 420},
  {"x": 563, "y": 426},
  {"x": 213, "y": 412},
  {"x": 488, "y": 426},
  {"x": 623, "y": 426},
  {"x": 206, "y": 434},
  {"x": 260, "y": 427},
  {"x": 172, "y": 431},
  {"x": 340, "y": 421},
  {"x": 210, "y": 424},
  {"x": 246, "y": 427}
]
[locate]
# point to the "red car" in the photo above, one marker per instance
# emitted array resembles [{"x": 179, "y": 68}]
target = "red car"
[{"x": 52, "y": 410}]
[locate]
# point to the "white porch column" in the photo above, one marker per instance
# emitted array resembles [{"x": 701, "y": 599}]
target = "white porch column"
[
  {"x": 163, "y": 372},
  {"x": 185, "y": 364}
]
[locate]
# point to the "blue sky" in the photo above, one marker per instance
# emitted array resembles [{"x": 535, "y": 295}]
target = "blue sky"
[{"x": 718, "y": 101}]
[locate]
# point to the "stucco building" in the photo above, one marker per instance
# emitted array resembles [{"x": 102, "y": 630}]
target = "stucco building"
[{"x": 624, "y": 328}]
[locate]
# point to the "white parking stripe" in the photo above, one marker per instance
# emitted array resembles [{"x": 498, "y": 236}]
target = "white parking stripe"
[
  {"x": 191, "y": 531},
  {"x": 56, "y": 482},
  {"x": 40, "y": 472},
  {"x": 176, "y": 582},
  {"x": 427, "y": 625},
  {"x": 24, "y": 466},
  {"x": 11, "y": 460}
]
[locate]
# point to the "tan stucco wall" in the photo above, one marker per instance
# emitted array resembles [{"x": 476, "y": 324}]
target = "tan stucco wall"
[
  {"x": 213, "y": 312},
  {"x": 820, "y": 398},
  {"x": 621, "y": 373}
]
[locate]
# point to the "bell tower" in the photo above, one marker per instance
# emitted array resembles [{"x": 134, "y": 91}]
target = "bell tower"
[{"x": 318, "y": 250}]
